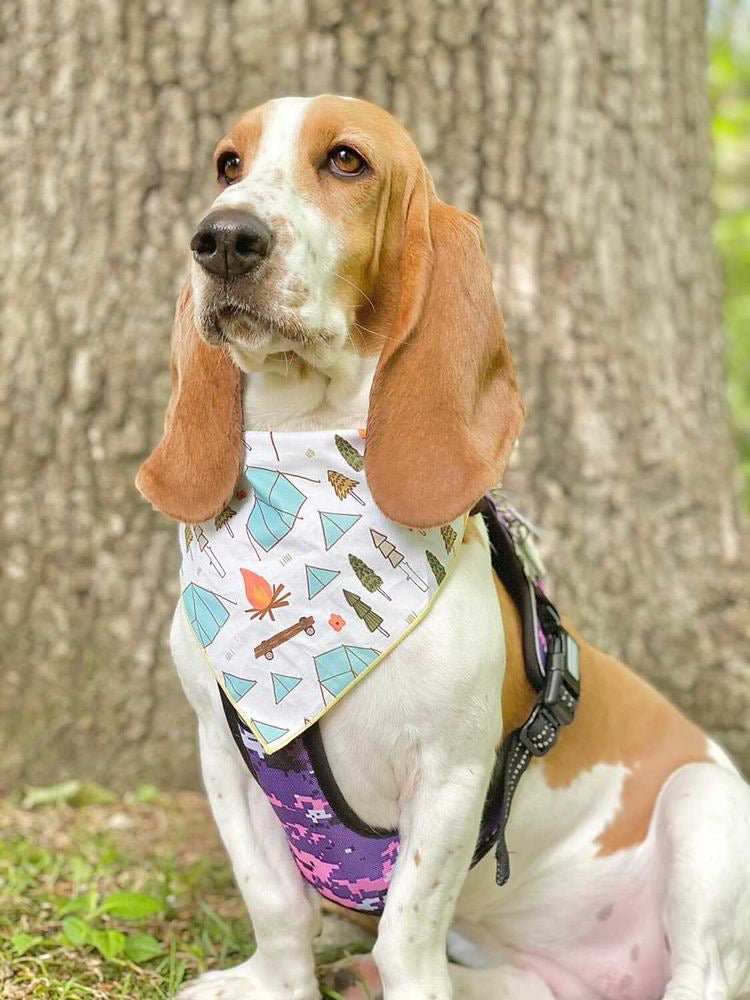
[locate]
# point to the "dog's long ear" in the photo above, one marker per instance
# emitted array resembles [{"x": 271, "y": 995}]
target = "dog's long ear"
[
  {"x": 445, "y": 407},
  {"x": 193, "y": 470}
]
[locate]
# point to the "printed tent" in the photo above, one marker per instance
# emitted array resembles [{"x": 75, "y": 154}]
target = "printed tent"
[
  {"x": 205, "y": 612},
  {"x": 338, "y": 668},
  {"x": 335, "y": 526},
  {"x": 318, "y": 578},
  {"x": 277, "y": 503},
  {"x": 237, "y": 687}
]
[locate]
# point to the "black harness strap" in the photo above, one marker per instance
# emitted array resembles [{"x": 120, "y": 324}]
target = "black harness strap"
[{"x": 557, "y": 681}]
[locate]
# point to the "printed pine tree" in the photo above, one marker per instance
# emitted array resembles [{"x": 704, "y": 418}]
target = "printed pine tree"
[
  {"x": 436, "y": 566},
  {"x": 349, "y": 454},
  {"x": 396, "y": 558},
  {"x": 449, "y": 536},
  {"x": 203, "y": 544},
  {"x": 222, "y": 519},
  {"x": 343, "y": 486},
  {"x": 188, "y": 537},
  {"x": 370, "y": 618},
  {"x": 367, "y": 577}
]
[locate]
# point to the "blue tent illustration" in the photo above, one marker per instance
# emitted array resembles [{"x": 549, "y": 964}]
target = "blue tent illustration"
[
  {"x": 205, "y": 612},
  {"x": 237, "y": 687},
  {"x": 269, "y": 733},
  {"x": 335, "y": 526},
  {"x": 338, "y": 667},
  {"x": 283, "y": 685},
  {"x": 318, "y": 579},
  {"x": 277, "y": 504}
]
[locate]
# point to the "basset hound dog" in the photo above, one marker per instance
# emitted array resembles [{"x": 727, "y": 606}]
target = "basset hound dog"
[{"x": 338, "y": 332}]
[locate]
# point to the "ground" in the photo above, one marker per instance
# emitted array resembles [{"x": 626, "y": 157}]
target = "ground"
[{"x": 104, "y": 896}]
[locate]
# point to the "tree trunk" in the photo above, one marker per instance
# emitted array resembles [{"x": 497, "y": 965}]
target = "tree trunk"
[{"x": 578, "y": 132}]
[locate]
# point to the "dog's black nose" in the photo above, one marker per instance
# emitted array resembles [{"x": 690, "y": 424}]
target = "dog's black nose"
[{"x": 230, "y": 242}]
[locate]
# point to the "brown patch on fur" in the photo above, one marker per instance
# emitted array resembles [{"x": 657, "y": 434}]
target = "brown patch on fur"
[
  {"x": 192, "y": 472},
  {"x": 620, "y": 720},
  {"x": 445, "y": 407},
  {"x": 518, "y": 695},
  {"x": 623, "y": 720},
  {"x": 244, "y": 138}
]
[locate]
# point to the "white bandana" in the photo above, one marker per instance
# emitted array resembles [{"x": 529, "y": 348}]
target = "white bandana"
[{"x": 301, "y": 585}]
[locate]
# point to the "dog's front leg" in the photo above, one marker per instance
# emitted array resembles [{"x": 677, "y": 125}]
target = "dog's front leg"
[
  {"x": 283, "y": 915},
  {"x": 438, "y": 829}
]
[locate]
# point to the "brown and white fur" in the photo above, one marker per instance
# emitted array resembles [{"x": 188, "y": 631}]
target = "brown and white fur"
[{"x": 630, "y": 843}]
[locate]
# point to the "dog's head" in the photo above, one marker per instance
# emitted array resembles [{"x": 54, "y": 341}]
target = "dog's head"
[{"x": 327, "y": 237}]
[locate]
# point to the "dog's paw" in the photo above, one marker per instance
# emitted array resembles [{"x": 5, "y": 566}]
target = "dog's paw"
[
  {"x": 354, "y": 979},
  {"x": 243, "y": 982},
  {"x": 224, "y": 984}
]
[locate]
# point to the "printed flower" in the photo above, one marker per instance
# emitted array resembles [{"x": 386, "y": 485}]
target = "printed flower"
[
  {"x": 241, "y": 494},
  {"x": 336, "y": 622}
]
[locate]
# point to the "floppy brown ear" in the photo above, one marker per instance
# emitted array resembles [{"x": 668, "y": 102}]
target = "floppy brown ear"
[
  {"x": 193, "y": 470},
  {"x": 445, "y": 407}
]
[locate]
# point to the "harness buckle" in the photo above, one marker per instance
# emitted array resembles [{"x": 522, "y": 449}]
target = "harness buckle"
[
  {"x": 539, "y": 733},
  {"x": 562, "y": 686},
  {"x": 557, "y": 703}
]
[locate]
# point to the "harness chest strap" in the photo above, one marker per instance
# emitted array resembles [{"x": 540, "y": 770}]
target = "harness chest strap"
[{"x": 554, "y": 673}]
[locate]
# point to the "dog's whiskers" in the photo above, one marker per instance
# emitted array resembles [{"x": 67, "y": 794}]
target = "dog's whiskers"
[
  {"x": 356, "y": 288},
  {"x": 381, "y": 336}
]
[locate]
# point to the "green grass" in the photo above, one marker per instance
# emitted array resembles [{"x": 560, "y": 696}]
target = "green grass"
[
  {"x": 730, "y": 93},
  {"x": 103, "y": 898}
]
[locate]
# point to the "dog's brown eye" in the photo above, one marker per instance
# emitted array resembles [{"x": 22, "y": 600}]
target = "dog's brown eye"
[
  {"x": 229, "y": 167},
  {"x": 346, "y": 162}
]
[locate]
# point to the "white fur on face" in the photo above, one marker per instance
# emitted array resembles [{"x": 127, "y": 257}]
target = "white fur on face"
[{"x": 299, "y": 276}]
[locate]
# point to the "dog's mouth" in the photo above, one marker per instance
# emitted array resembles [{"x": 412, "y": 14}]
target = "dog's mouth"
[
  {"x": 260, "y": 322},
  {"x": 248, "y": 324}
]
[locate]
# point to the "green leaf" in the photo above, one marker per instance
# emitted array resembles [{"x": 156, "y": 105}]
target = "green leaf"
[
  {"x": 81, "y": 869},
  {"x": 92, "y": 794},
  {"x": 76, "y": 931},
  {"x": 130, "y": 905},
  {"x": 330, "y": 994},
  {"x": 24, "y": 942},
  {"x": 73, "y": 793},
  {"x": 47, "y": 795},
  {"x": 109, "y": 944},
  {"x": 146, "y": 794},
  {"x": 141, "y": 947},
  {"x": 78, "y": 904}
]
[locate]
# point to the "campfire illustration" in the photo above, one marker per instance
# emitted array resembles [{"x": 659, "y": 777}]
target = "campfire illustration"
[{"x": 264, "y": 598}]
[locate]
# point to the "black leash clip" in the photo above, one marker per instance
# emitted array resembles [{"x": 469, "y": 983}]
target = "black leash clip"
[{"x": 558, "y": 701}]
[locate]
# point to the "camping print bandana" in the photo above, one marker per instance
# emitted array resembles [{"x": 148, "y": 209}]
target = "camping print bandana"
[{"x": 301, "y": 585}]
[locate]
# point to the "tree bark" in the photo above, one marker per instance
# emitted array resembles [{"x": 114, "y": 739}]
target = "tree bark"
[{"x": 578, "y": 132}]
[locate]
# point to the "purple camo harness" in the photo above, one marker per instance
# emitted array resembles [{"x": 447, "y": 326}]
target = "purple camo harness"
[{"x": 348, "y": 861}]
